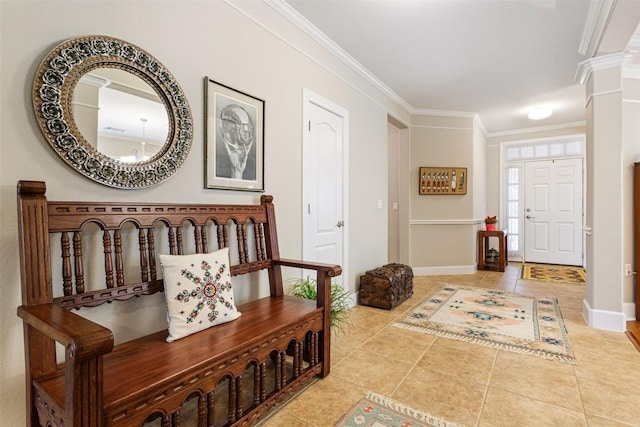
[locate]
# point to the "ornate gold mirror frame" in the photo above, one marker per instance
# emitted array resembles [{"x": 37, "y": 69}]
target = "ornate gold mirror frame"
[{"x": 53, "y": 89}]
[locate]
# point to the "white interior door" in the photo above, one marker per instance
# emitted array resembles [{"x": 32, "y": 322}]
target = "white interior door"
[
  {"x": 553, "y": 212},
  {"x": 324, "y": 218}
]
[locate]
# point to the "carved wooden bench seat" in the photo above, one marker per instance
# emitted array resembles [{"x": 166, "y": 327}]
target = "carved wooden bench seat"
[{"x": 235, "y": 371}]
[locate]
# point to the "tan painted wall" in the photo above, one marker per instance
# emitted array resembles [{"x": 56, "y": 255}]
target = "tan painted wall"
[
  {"x": 449, "y": 142},
  {"x": 228, "y": 43}
]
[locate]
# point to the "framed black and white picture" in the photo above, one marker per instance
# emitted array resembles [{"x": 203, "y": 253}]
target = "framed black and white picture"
[{"x": 234, "y": 139}]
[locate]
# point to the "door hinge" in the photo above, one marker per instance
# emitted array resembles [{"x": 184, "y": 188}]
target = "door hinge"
[{"x": 309, "y": 125}]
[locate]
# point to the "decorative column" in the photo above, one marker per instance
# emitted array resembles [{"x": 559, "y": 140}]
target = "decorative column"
[{"x": 602, "y": 77}]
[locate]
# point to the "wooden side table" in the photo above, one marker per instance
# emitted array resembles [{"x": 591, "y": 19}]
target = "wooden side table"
[{"x": 483, "y": 244}]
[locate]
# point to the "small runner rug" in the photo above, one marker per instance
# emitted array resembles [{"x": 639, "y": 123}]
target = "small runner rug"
[
  {"x": 494, "y": 318},
  {"x": 554, "y": 273},
  {"x": 377, "y": 410}
]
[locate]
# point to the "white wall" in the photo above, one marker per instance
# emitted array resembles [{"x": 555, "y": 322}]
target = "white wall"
[
  {"x": 630, "y": 154},
  {"x": 247, "y": 46}
]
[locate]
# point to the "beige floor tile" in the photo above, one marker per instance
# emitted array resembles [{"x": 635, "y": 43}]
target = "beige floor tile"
[
  {"x": 572, "y": 317},
  {"x": 606, "y": 363},
  {"x": 549, "y": 381},
  {"x": 465, "y": 361},
  {"x": 535, "y": 288},
  {"x": 284, "y": 418},
  {"x": 442, "y": 395},
  {"x": 399, "y": 344},
  {"x": 615, "y": 401},
  {"x": 569, "y": 295},
  {"x": 372, "y": 371},
  {"x": 607, "y": 343},
  {"x": 324, "y": 403},
  {"x": 503, "y": 408},
  {"x": 595, "y": 421},
  {"x": 508, "y": 359}
]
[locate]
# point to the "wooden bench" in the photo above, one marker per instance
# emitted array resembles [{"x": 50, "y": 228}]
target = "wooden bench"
[{"x": 235, "y": 372}]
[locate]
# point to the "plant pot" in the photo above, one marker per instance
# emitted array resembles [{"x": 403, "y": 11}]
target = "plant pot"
[{"x": 491, "y": 227}]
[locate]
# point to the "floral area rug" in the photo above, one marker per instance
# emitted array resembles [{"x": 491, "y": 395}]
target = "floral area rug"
[
  {"x": 494, "y": 318},
  {"x": 377, "y": 410},
  {"x": 555, "y": 273}
]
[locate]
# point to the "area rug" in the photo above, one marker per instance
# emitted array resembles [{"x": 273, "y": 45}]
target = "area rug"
[
  {"x": 376, "y": 410},
  {"x": 494, "y": 318},
  {"x": 555, "y": 273}
]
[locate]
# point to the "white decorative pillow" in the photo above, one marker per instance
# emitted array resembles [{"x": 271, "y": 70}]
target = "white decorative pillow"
[{"x": 198, "y": 292}]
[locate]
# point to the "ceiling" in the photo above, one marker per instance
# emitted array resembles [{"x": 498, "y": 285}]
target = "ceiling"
[{"x": 496, "y": 58}]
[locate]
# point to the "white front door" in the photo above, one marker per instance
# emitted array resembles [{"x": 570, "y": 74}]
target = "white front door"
[
  {"x": 553, "y": 212},
  {"x": 324, "y": 218}
]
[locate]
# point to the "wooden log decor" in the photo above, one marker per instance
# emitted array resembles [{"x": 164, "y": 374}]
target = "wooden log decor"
[{"x": 387, "y": 286}]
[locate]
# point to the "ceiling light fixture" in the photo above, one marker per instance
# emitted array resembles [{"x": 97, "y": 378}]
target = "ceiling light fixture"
[{"x": 540, "y": 112}]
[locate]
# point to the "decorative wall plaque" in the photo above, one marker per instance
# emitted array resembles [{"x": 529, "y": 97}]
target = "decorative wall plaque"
[{"x": 442, "y": 180}]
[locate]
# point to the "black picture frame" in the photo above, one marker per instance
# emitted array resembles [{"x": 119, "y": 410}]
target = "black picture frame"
[{"x": 234, "y": 139}]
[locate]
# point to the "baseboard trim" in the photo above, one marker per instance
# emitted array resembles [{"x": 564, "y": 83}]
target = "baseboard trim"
[
  {"x": 629, "y": 310},
  {"x": 444, "y": 270},
  {"x": 603, "y": 319}
]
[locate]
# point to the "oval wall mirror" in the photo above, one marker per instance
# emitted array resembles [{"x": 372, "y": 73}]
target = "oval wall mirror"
[{"x": 112, "y": 112}]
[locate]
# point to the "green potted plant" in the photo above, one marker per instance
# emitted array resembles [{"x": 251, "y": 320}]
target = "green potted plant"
[
  {"x": 490, "y": 222},
  {"x": 340, "y": 310}
]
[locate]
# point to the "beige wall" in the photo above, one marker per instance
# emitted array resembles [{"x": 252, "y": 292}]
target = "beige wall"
[
  {"x": 242, "y": 45},
  {"x": 443, "y": 227}
]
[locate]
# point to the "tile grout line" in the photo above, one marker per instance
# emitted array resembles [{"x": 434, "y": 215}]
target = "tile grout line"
[
  {"x": 412, "y": 368},
  {"x": 486, "y": 392}
]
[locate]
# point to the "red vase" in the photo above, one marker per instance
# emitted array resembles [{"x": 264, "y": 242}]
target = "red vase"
[{"x": 491, "y": 227}]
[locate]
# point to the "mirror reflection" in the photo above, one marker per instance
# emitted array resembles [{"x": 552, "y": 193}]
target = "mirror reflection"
[{"x": 120, "y": 115}]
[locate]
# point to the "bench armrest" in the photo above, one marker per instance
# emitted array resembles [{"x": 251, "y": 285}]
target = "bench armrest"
[
  {"x": 329, "y": 269},
  {"x": 83, "y": 337}
]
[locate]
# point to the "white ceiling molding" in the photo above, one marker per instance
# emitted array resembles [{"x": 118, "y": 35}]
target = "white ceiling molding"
[
  {"x": 634, "y": 42},
  {"x": 595, "y": 25},
  {"x": 443, "y": 113},
  {"x": 537, "y": 129},
  {"x": 312, "y": 31},
  {"x": 604, "y": 62},
  {"x": 631, "y": 72},
  {"x": 93, "y": 80},
  {"x": 478, "y": 121}
]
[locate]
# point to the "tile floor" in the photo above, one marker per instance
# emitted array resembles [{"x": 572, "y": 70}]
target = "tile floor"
[{"x": 470, "y": 384}]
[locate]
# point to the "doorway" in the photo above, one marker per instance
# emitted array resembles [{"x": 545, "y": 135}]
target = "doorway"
[
  {"x": 536, "y": 235},
  {"x": 324, "y": 169},
  {"x": 553, "y": 211}
]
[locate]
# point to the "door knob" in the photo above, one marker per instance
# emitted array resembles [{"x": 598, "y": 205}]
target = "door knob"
[
  {"x": 530, "y": 217},
  {"x": 340, "y": 224}
]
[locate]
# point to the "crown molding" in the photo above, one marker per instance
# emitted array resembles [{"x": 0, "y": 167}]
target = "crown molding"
[
  {"x": 604, "y": 62},
  {"x": 537, "y": 129},
  {"x": 443, "y": 113},
  {"x": 478, "y": 121},
  {"x": 595, "y": 25},
  {"x": 292, "y": 15},
  {"x": 631, "y": 72},
  {"x": 634, "y": 42}
]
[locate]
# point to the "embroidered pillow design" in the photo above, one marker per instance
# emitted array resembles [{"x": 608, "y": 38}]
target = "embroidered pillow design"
[{"x": 198, "y": 292}]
